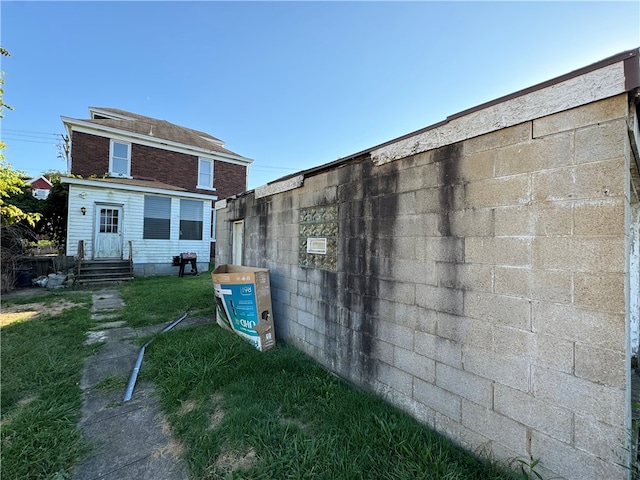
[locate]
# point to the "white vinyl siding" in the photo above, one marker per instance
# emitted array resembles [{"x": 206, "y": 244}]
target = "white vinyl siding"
[
  {"x": 120, "y": 159},
  {"x": 81, "y": 227},
  {"x": 157, "y": 218},
  {"x": 190, "y": 220},
  {"x": 205, "y": 174}
]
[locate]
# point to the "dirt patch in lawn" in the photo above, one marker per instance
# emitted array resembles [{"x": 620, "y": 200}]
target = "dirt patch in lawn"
[{"x": 28, "y": 311}]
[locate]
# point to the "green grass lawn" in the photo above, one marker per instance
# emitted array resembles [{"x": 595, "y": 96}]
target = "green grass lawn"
[
  {"x": 41, "y": 363},
  {"x": 240, "y": 413},
  {"x": 237, "y": 412}
]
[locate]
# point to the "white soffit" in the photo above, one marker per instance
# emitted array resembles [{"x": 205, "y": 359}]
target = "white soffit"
[{"x": 574, "y": 92}]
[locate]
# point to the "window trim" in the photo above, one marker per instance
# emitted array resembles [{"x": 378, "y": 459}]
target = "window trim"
[
  {"x": 128, "y": 145},
  {"x": 198, "y": 184}
]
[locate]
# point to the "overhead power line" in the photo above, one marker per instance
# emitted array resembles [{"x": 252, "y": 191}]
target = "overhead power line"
[{"x": 29, "y": 131}]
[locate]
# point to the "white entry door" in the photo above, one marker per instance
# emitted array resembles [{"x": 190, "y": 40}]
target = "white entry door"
[
  {"x": 237, "y": 241},
  {"x": 108, "y": 232}
]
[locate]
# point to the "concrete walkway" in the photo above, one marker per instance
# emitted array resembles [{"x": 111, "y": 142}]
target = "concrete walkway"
[{"x": 129, "y": 440}]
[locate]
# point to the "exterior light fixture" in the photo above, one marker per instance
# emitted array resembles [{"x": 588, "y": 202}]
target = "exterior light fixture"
[{"x": 83, "y": 210}]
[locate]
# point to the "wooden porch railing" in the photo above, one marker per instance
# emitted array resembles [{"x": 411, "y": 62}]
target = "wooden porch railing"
[
  {"x": 131, "y": 258},
  {"x": 80, "y": 255}
]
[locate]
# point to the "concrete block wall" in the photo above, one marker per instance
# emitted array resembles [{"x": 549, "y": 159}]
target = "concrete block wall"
[{"x": 481, "y": 286}]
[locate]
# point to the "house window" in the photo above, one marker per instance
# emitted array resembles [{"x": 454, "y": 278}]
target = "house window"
[
  {"x": 120, "y": 159},
  {"x": 190, "y": 220},
  {"x": 205, "y": 174},
  {"x": 157, "y": 218}
]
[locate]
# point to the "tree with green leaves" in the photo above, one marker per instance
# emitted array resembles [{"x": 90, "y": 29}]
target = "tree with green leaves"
[{"x": 16, "y": 224}]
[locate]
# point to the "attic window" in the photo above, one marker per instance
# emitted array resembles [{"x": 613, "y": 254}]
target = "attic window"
[{"x": 99, "y": 117}]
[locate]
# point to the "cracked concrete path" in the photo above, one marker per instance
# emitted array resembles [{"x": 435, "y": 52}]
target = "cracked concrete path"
[{"x": 129, "y": 440}]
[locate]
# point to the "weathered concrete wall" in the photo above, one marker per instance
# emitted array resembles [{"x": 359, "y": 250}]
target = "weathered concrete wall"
[{"x": 482, "y": 286}]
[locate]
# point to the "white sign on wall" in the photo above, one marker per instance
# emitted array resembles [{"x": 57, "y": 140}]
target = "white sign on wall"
[{"x": 317, "y": 245}]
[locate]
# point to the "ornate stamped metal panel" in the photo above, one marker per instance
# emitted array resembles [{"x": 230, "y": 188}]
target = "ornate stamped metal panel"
[{"x": 319, "y": 223}]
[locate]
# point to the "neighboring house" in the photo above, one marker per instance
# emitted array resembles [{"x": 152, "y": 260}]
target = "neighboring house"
[
  {"x": 40, "y": 187},
  {"x": 147, "y": 184},
  {"x": 481, "y": 273}
]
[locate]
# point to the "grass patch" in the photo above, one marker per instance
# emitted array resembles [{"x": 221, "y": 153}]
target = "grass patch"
[
  {"x": 276, "y": 415},
  {"x": 153, "y": 300},
  {"x": 112, "y": 383},
  {"x": 41, "y": 367}
]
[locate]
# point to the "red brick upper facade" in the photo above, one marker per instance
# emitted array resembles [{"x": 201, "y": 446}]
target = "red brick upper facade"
[
  {"x": 165, "y": 152},
  {"x": 90, "y": 156}
]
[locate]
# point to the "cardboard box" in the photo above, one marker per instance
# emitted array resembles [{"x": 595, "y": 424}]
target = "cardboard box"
[{"x": 243, "y": 298}]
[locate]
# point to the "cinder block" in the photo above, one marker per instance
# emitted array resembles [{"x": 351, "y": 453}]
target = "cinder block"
[
  {"x": 395, "y": 334},
  {"x": 553, "y": 352},
  {"x": 604, "y": 292},
  {"x": 417, "y": 365},
  {"x": 514, "y": 221},
  {"x": 299, "y": 301},
  {"x": 465, "y": 276},
  {"x": 598, "y": 180},
  {"x": 440, "y": 299},
  {"x": 600, "y": 439},
  {"x": 606, "y": 404},
  {"x": 553, "y": 218},
  {"x": 415, "y": 317},
  {"x": 440, "y": 349},
  {"x": 419, "y": 411},
  {"x": 600, "y": 217},
  {"x": 589, "y": 114},
  {"x": 534, "y": 219},
  {"x": 383, "y": 351},
  {"x": 438, "y": 399},
  {"x": 500, "y": 138},
  {"x": 413, "y": 226},
  {"x": 508, "y": 370},
  {"x": 508, "y": 251},
  {"x": 413, "y": 271},
  {"x": 548, "y": 285},
  {"x": 530, "y": 411},
  {"x": 573, "y": 324},
  {"x": 512, "y": 190},
  {"x": 571, "y": 463},
  {"x": 601, "y": 142},
  {"x": 579, "y": 254},
  {"x": 498, "y": 309},
  {"x": 514, "y": 341},
  {"x": 395, "y": 378},
  {"x": 417, "y": 178},
  {"x": 441, "y": 249},
  {"x": 494, "y": 426},
  {"x": 472, "y": 222},
  {"x": 467, "y": 385},
  {"x": 306, "y": 319},
  {"x": 535, "y": 155},
  {"x": 315, "y": 338},
  {"x": 428, "y": 200},
  {"x": 476, "y": 166},
  {"x": 404, "y": 248},
  {"x": 462, "y": 436},
  {"x": 599, "y": 365},
  {"x": 464, "y": 330}
]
